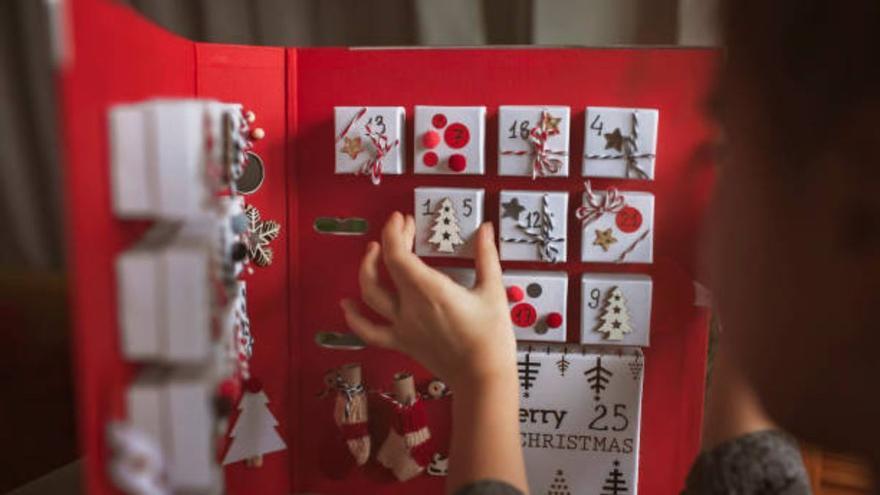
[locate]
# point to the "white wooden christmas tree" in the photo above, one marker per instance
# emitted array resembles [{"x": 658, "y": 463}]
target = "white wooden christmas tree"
[
  {"x": 447, "y": 233},
  {"x": 254, "y": 433},
  {"x": 615, "y": 316}
]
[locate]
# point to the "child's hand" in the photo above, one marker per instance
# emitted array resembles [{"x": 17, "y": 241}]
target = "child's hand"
[{"x": 459, "y": 334}]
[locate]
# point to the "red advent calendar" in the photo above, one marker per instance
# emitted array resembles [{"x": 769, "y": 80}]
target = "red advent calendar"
[{"x": 220, "y": 198}]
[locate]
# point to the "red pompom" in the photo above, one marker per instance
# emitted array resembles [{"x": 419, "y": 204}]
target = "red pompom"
[
  {"x": 431, "y": 139},
  {"x": 554, "y": 320},
  {"x": 253, "y": 385},
  {"x": 430, "y": 159},
  {"x": 515, "y": 293},
  {"x": 230, "y": 388},
  {"x": 457, "y": 163}
]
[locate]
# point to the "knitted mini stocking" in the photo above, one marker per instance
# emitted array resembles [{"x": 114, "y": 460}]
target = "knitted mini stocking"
[
  {"x": 408, "y": 448},
  {"x": 350, "y": 412}
]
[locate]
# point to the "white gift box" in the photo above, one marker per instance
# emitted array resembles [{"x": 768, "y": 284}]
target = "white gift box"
[
  {"x": 616, "y": 309},
  {"x": 530, "y": 133},
  {"x": 360, "y": 129},
  {"x": 580, "y": 417},
  {"x": 622, "y": 236},
  {"x": 174, "y": 410},
  {"x": 538, "y": 301},
  {"x": 531, "y": 230},
  {"x": 160, "y": 158},
  {"x": 620, "y": 142},
  {"x": 164, "y": 287},
  {"x": 441, "y": 212},
  {"x": 450, "y": 140}
]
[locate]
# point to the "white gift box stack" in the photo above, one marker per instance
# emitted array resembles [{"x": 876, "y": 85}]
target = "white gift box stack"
[{"x": 169, "y": 161}]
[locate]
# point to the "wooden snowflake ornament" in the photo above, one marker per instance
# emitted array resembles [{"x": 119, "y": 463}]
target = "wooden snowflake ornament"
[{"x": 260, "y": 234}]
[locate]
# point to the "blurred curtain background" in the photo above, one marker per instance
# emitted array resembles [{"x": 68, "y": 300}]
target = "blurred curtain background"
[
  {"x": 35, "y": 374},
  {"x": 30, "y": 190}
]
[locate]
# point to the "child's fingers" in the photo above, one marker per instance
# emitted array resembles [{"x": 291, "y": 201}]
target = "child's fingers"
[
  {"x": 409, "y": 232},
  {"x": 405, "y": 268},
  {"x": 369, "y": 332},
  {"x": 486, "y": 264},
  {"x": 372, "y": 292}
]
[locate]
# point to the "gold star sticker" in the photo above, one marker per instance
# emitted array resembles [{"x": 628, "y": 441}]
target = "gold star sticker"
[
  {"x": 604, "y": 239},
  {"x": 550, "y": 123},
  {"x": 352, "y": 147}
]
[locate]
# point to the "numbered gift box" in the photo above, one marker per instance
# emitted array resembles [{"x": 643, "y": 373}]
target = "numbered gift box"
[
  {"x": 620, "y": 142},
  {"x": 616, "y": 309},
  {"x": 533, "y": 225},
  {"x": 533, "y": 141},
  {"x": 617, "y": 226},
  {"x": 164, "y": 286},
  {"x": 369, "y": 141},
  {"x": 170, "y": 433},
  {"x": 580, "y": 418},
  {"x": 168, "y": 158},
  {"x": 446, "y": 220},
  {"x": 450, "y": 140},
  {"x": 537, "y": 300}
]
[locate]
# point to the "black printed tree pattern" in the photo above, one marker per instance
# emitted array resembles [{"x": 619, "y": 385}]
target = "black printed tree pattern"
[
  {"x": 559, "y": 485},
  {"x": 598, "y": 377},
  {"x": 615, "y": 483},
  {"x": 636, "y": 366},
  {"x": 528, "y": 373},
  {"x": 562, "y": 365}
]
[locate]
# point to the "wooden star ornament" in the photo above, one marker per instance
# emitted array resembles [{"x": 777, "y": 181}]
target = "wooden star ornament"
[
  {"x": 352, "y": 146},
  {"x": 260, "y": 234},
  {"x": 550, "y": 124},
  {"x": 604, "y": 239},
  {"x": 614, "y": 140}
]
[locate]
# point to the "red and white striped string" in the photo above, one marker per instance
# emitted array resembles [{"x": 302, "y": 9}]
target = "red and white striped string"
[
  {"x": 595, "y": 205},
  {"x": 544, "y": 161}
]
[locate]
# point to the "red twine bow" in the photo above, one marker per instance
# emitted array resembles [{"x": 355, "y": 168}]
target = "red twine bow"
[
  {"x": 373, "y": 166},
  {"x": 544, "y": 162},
  {"x": 594, "y": 206}
]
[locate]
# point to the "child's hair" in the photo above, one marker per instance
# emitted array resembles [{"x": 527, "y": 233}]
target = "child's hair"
[{"x": 811, "y": 67}]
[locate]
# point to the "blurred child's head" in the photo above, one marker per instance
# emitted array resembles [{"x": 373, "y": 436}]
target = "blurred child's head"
[{"x": 796, "y": 220}]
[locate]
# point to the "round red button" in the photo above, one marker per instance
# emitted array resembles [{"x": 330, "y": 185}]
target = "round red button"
[
  {"x": 457, "y": 163},
  {"x": 554, "y": 320},
  {"x": 628, "y": 220},
  {"x": 523, "y": 315},
  {"x": 430, "y": 159},
  {"x": 515, "y": 294},
  {"x": 457, "y": 135},
  {"x": 431, "y": 139},
  {"x": 438, "y": 120}
]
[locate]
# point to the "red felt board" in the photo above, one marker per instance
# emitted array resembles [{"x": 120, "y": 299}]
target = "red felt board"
[{"x": 118, "y": 57}]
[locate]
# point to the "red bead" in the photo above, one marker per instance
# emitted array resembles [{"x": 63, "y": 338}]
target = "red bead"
[
  {"x": 431, "y": 139},
  {"x": 430, "y": 159},
  {"x": 438, "y": 120},
  {"x": 457, "y": 163},
  {"x": 554, "y": 320},
  {"x": 515, "y": 294},
  {"x": 253, "y": 385}
]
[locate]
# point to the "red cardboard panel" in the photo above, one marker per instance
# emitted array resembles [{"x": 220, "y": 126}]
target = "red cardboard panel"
[{"x": 652, "y": 78}]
